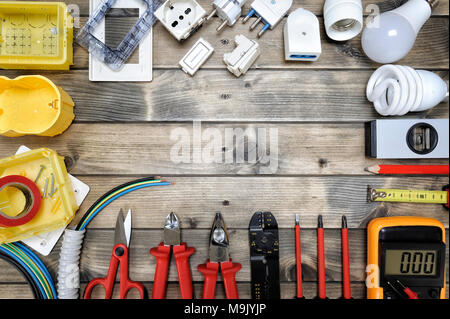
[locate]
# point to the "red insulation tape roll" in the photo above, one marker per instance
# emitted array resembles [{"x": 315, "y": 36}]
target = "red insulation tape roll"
[{"x": 32, "y": 200}]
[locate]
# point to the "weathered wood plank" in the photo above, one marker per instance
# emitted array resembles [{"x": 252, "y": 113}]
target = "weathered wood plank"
[
  {"x": 168, "y": 51},
  {"x": 98, "y": 243},
  {"x": 291, "y": 149},
  {"x": 196, "y": 199},
  {"x": 315, "y": 6},
  {"x": 261, "y": 95},
  {"x": 21, "y": 291}
]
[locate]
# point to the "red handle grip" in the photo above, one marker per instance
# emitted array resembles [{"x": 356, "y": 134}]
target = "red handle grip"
[
  {"x": 96, "y": 282},
  {"x": 107, "y": 282},
  {"x": 162, "y": 255},
  {"x": 229, "y": 270},
  {"x": 120, "y": 252},
  {"x": 347, "y": 292},
  {"x": 210, "y": 272},
  {"x": 181, "y": 254},
  {"x": 298, "y": 254},
  {"x": 321, "y": 264}
]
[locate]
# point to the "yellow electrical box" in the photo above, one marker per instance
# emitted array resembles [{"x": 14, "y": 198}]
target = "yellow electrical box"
[
  {"x": 33, "y": 105},
  {"x": 58, "y": 206},
  {"x": 35, "y": 35}
]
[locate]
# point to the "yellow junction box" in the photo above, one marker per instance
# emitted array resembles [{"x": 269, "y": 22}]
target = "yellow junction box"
[
  {"x": 33, "y": 105},
  {"x": 35, "y": 35},
  {"x": 56, "y": 211}
]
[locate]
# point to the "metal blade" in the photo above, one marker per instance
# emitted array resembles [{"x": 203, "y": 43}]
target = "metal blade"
[
  {"x": 172, "y": 234},
  {"x": 127, "y": 226},
  {"x": 119, "y": 234},
  {"x": 219, "y": 241}
]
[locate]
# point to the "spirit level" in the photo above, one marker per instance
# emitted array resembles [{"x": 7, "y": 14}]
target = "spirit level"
[
  {"x": 406, "y": 249},
  {"x": 408, "y": 196},
  {"x": 412, "y": 139}
]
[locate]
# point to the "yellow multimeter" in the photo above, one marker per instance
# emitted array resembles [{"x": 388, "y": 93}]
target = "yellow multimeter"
[{"x": 409, "y": 251}]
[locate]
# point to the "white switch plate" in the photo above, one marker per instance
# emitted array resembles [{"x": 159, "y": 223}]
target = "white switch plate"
[{"x": 141, "y": 72}]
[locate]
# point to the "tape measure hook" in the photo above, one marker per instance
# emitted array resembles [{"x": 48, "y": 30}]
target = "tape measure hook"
[{"x": 373, "y": 194}]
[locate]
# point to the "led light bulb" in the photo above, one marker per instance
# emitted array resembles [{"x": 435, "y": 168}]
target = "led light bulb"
[{"x": 389, "y": 37}]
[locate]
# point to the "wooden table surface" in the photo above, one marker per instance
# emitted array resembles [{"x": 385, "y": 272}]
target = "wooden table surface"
[{"x": 122, "y": 132}]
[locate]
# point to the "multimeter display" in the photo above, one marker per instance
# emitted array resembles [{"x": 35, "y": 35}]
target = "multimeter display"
[{"x": 410, "y": 262}]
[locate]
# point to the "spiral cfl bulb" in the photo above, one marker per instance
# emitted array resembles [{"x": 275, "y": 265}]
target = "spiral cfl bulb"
[
  {"x": 390, "y": 36},
  {"x": 397, "y": 90}
]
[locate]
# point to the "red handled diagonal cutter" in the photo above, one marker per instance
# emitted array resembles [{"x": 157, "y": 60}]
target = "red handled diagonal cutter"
[
  {"x": 119, "y": 255},
  {"x": 181, "y": 253},
  {"x": 219, "y": 257}
]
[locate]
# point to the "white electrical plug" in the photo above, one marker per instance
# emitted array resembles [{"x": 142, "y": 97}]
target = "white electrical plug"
[
  {"x": 227, "y": 10},
  {"x": 181, "y": 17},
  {"x": 242, "y": 58},
  {"x": 269, "y": 11},
  {"x": 397, "y": 90},
  {"x": 302, "y": 36}
]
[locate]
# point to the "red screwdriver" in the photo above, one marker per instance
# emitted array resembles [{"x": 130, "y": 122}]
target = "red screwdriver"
[
  {"x": 321, "y": 260},
  {"x": 298, "y": 254},
  {"x": 347, "y": 293}
]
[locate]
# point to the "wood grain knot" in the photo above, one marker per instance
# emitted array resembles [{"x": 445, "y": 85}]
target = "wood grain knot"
[{"x": 323, "y": 162}]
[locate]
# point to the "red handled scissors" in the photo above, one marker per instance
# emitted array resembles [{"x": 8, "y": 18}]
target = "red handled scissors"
[{"x": 119, "y": 255}]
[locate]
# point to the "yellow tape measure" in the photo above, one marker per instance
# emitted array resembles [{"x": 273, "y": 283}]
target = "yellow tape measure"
[{"x": 407, "y": 196}]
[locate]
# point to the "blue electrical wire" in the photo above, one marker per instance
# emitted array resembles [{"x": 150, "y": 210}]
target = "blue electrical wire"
[
  {"x": 41, "y": 266},
  {"x": 118, "y": 196},
  {"x": 35, "y": 279}
]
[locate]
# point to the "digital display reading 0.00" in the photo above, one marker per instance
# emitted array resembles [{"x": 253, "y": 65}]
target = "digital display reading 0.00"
[{"x": 410, "y": 262}]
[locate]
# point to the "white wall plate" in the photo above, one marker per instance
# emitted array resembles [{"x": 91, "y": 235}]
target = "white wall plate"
[{"x": 141, "y": 72}]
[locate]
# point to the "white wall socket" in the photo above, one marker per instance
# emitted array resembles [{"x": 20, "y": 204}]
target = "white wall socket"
[{"x": 181, "y": 17}]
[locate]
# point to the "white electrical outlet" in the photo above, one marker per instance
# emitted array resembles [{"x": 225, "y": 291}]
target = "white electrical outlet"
[{"x": 181, "y": 17}]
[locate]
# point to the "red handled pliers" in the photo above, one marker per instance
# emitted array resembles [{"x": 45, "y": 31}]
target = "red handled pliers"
[
  {"x": 219, "y": 257},
  {"x": 181, "y": 253},
  {"x": 119, "y": 255}
]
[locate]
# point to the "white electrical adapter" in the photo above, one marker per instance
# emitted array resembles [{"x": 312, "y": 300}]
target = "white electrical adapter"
[
  {"x": 302, "y": 36},
  {"x": 244, "y": 55},
  {"x": 196, "y": 56},
  {"x": 269, "y": 11},
  {"x": 227, "y": 10},
  {"x": 181, "y": 17}
]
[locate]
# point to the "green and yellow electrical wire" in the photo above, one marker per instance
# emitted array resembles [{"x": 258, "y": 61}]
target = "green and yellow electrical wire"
[
  {"x": 31, "y": 267},
  {"x": 115, "y": 193}
]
